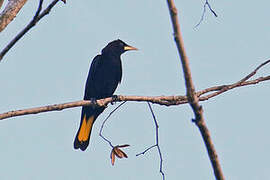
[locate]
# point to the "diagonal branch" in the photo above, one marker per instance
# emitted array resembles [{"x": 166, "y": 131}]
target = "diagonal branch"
[
  {"x": 38, "y": 15},
  {"x": 9, "y": 13},
  {"x": 242, "y": 82},
  {"x": 225, "y": 88},
  {"x": 192, "y": 96},
  {"x": 161, "y": 100},
  {"x": 254, "y": 72}
]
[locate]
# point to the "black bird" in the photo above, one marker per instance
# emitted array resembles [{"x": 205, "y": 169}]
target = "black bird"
[{"x": 104, "y": 76}]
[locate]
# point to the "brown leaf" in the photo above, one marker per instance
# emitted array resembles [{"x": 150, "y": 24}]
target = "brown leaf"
[
  {"x": 116, "y": 151},
  {"x": 119, "y": 153},
  {"x": 112, "y": 157}
]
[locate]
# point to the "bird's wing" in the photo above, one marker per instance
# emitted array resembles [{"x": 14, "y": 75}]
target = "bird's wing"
[
  {"x": 90, "y": 91},
  {"x": 94, "y": 67},
  {"x": 103, "y": 78}
]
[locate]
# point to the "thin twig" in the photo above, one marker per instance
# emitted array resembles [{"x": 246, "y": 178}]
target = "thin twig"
[
  {"x": 102, "y": 126},
  {"x": 254, "y": 72},
  {"x": 242, "y": 82},
  {"x": 156, "y": 144},
  {"x": 38, "y": 11},
  {"x": 225, "y": 88},
  {"x": 31, "y": 24},
  {"x": 146, "y": 150},
  {"x": 193, "y": 99},
  {"x": 204, "y": 11},
  {"x": 209, "y": 6}
]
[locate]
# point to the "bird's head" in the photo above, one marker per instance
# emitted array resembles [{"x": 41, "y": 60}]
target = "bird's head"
[{"x": 117, "y": 47}]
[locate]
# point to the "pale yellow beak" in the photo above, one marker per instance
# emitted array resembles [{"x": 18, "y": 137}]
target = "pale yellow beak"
[{"x": 128, "y": 48}]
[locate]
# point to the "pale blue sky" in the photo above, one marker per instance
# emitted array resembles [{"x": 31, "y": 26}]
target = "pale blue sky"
[{"x": 50, "y": 65}]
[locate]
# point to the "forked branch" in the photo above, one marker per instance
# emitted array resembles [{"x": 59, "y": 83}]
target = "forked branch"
[{"x": 206, "y": 4}]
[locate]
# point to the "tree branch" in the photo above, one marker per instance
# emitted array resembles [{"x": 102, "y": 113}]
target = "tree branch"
[
  {"x": 192, "y": 96},
  {"x": 242, "y": 82},
  {"x": 254, "y": 72},
  {"x": 37, "y": 17},
  {"x": 161, "y": 100},
  {"x": 10, "y": 12}
]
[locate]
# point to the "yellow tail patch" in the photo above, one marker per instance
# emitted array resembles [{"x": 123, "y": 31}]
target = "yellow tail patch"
[{"x": 85, "y": 129}]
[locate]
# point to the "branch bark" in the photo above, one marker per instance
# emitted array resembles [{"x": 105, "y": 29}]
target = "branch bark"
[
  {"x": 192, "y": 96},
  {"x": 9, "y": 13},
  {"x": 161, "y": 100},
  {"x": 37, "y": 17}
]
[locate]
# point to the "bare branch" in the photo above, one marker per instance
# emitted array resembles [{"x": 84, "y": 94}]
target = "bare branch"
[
  {"x": 161, "y": 100},
  {"x": 254, "y": 72},
  {"x": 116, "y": 151},
  {"x": 146, "y": 150},
  {"x": 206, "y": 4},
  {"x": 156, "y": 144},
  {"x": 10, "y": 12},
  {"x": 102, "y": 126},
  {"x": 193, "y": 99},
  {"x": 225, "y": 88},
  {"x": 38, "y": 15},
  {"x": 38, "y": 10},
  {"x": 242, "y": 82}
]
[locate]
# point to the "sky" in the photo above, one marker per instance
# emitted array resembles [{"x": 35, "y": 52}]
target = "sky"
[{"x": 50, "y": 64}]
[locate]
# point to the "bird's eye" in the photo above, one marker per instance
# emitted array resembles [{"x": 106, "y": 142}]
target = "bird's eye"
[{"x": 122, "y": 44}]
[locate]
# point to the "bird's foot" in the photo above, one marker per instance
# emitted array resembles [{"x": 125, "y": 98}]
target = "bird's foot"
[
  {"x": 94, "y": 102},
  {"x": 114, "y": 99}
]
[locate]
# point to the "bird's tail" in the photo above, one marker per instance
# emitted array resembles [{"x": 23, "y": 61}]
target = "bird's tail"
[{"x": 83, "y": 135}]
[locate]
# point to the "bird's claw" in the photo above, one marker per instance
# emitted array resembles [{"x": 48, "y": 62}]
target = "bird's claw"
[
  {"x": 114, "y": 99},
  {"x": 94, "y": 102}
]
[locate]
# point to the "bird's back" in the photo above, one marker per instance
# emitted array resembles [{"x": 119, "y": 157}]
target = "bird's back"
[{"x": 104, "y": 75}]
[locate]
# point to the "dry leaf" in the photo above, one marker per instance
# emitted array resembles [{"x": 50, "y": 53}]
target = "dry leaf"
[
  {"x": 112, "y": 158},
  {"x": 116, "y": 151},
  {"x": 119, "y": 153}
]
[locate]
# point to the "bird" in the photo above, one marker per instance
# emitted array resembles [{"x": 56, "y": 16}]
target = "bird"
[{"x": 103, "y": 78}]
